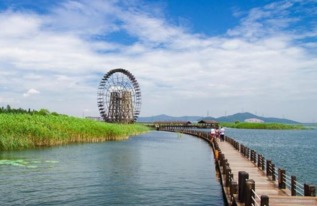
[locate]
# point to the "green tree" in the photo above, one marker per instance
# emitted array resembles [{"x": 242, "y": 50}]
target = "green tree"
[
  {"x": 8, "y": 108},
  {"x": 43, "y": 112}
]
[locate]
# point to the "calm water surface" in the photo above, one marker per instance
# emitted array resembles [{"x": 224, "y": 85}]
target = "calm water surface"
[
  {"x": 157, "y": 168},
  {"x": 293, "y": 150}
]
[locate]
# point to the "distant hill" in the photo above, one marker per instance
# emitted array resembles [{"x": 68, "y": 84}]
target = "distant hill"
[
  {"x": 246, "y": 115},
  {"x": 241, "y": 117}
]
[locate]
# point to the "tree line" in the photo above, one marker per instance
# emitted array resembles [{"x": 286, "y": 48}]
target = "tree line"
[{"x": 9, "y": 110}]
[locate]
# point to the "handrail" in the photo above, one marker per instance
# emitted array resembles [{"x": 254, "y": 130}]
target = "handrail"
[
  {"x": 255, "y": 198},
  {"x": 301, "y": 188}
]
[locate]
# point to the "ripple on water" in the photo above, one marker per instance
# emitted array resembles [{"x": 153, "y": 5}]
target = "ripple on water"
[{"x": 158, "y": 168}]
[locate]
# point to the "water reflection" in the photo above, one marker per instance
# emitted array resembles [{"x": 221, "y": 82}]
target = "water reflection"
[{"x": 158, "y": 168}]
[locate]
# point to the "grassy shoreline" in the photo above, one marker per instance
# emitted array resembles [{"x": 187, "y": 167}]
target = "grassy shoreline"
[
  {"x": 273, "y": 126},
  {"x": 22, "y": 131}
]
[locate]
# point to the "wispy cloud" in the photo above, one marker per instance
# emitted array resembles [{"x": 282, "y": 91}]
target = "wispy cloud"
[
  {"x": 260, "y": 65},
  {"x": 31, "y": 92}
]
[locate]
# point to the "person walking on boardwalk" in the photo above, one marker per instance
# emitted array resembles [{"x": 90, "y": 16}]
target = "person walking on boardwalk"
[
  {"x": 222, "y": 134},
  {"x": 212, "y": 134}
]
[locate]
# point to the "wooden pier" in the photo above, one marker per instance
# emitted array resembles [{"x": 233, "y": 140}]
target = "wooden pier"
[
  {"x": 250, "y": 180},
  {"x": 263, "y": 185}
]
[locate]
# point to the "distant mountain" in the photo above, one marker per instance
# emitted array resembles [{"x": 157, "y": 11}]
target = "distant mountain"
[
  {"x": 241, "y": 117},
  {"x": 246, "y": 115}
]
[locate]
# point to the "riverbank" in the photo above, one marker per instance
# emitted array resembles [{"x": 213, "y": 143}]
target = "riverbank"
[
  {"x": 273, "y": 126},
  {"x": 21, "y": 131}
]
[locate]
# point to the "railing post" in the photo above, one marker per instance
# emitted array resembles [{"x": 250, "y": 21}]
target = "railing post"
[
  {"x": 312, "y": 190},
  {"x": 230, "y": 178},
  {"x": 243, "y": 176},
  {"x": 259, "y": 160},
  {"x": 273, "y": 172},
  {"x": 309, "y": 190},
  {"x": 222, "y": 157},
  {"x": 249, "y": 195},
  {"x": 293, "y": 185},
  {"x": 268, "y": 165},
  {"x": 254, "y": 157},
  {"x": 228, "y": 172},
  {"x": 281, "y": 179},
  {"x": 262, "y": 163},
  {"x": 306, "y": 190},
  {"x": 264, "y": 200},
  {"x": 224, "y": 166},
  {"x": 233, "y": 188}
]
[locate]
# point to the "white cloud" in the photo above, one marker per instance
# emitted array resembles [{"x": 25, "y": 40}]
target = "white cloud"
[
  {"x": 257, "y": 66},
  {"x": 31, "y": 92}
]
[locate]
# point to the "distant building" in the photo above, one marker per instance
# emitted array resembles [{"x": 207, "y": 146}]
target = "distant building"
[
  {"x": 254, "y": 120},
  {"x": 208, "y": 124}
]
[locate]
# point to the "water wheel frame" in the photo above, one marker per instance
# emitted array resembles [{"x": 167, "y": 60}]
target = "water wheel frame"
[{"x": 118, "y": 80}]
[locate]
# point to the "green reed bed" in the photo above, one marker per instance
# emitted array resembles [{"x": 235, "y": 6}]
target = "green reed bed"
[
  {"x": 18, "y": 131},
  {"x": 251, "y": 125}
]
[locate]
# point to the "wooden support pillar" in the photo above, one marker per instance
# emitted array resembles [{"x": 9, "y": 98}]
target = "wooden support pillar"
[
  {"x": 249, "y": 195},
  {"x": 233, "y": 188},
  {"x": 221, "y": 156},
  {"x": 268, "y": 166},
  {"x": 224, "y": 166},
  {"x": 254, "y": 157},
  {"x": 264, "y": 200},
  {"x": 281, "y": 179},
  {"x": 228, "y": 173},
  {"x": 231, "y": 177},
  {"x": 309, "y": 190},
  {"x": 243, "y": 176},
  {"x": 259, "y": 160},
  {"x": 293, "y": 185}
]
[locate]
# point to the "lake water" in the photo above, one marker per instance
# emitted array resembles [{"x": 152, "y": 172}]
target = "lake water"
[
  {"x": 157, "y": 168},
  {"x": 293, "y": 150}
]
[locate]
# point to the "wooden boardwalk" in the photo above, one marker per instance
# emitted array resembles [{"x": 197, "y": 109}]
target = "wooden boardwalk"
[{"x": 263, "y": 185}]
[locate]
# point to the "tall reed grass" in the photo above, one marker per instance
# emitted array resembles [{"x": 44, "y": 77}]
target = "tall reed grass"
[
  {"x": 19, "y": 131},
  {"x": 251, "y": 125}
]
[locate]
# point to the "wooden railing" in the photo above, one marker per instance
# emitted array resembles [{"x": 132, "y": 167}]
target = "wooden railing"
[{"x": 275, "y": 174}]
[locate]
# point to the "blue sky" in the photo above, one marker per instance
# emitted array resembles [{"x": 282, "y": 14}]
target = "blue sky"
[{"x": 190, "y": 57}]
